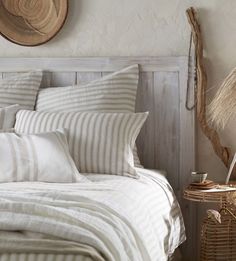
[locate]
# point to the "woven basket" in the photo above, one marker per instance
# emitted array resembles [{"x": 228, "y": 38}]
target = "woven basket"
[{"x": 218, "y": 241}]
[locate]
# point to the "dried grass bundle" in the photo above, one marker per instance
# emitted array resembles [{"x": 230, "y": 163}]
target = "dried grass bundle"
[{"x": 223, "y": 105}]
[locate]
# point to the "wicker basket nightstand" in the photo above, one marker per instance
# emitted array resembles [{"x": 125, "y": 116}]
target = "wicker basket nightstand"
[{"x": 218, "y": 240}]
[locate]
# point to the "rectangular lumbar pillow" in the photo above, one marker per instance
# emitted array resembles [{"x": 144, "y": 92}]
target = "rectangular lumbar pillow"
[
  {"x": 98, "y": 142},
  {"x": 8, "y": 116},
  {"x": 21, "y": 89},
  {"x": 39, "y": 157},
  {"x": 115, "y": 92}
]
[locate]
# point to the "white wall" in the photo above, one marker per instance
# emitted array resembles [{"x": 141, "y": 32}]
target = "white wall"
[{"x": 149, "y": 28}]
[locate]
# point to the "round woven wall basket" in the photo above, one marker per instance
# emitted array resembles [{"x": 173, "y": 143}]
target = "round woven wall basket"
[{"x": 32, "y": 22}]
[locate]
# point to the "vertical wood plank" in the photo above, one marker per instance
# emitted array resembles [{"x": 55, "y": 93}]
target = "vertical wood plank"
[
  {"x": 105, "y": 73},
  {"x": 46, "y": 80},
  {"x": 144, "y": 102},
  {"x": 191, "y": 247},
  {"x": 59, "y": 79},
  {"x": 86, "y": 77},
  {"x": 166, "y": 124},
  {"x": 9, "y": 74},
  {"x": 158, "y": 141}
]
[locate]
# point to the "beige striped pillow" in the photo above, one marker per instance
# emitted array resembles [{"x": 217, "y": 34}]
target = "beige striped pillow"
[
  {"x": 21, "y": 89},
  {"x": 41, "y": 157},
  {"x": 8, "y": 116},
  {"x": 7, "y": 130},
  {"x": 98, "y": 142},
  {"x": 115, "y": 92}
]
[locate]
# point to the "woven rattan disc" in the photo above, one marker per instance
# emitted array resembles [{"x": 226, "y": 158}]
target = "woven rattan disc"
[{"x": 31, "y": 22}]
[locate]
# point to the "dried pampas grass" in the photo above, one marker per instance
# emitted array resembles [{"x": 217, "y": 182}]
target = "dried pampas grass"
[{"x": 223, "y": 105}]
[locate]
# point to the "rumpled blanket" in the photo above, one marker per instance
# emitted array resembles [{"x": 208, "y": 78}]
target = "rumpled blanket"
[{"x": 114, "y": 218}]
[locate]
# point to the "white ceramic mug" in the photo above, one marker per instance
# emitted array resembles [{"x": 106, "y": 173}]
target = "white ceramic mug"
[{"x": 198, "y": 176}]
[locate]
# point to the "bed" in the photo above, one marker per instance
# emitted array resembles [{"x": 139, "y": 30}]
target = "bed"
[
  {"x": 110, "y": 217},
  {"x": 144, "y": 214}
]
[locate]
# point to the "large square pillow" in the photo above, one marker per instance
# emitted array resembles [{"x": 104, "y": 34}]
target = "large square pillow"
[
  {"x": 115, "y": 92},
  {"x": 8, "y": 116},
  {"x": 21, "y": 89},
  {"x": 39, "y": 157},
  {"x": 98, "y": 142}
]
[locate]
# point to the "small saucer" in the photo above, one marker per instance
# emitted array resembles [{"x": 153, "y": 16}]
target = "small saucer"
[{"x": 207, "y": 184}]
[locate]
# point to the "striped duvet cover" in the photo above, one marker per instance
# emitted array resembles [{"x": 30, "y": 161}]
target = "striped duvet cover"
[{"x": 127, "y": 219}]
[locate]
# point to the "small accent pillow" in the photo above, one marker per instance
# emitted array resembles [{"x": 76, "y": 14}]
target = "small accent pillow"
[
  {"x": 115, "y": 92},
  {"x": 40, "y": 157},
  {"x": 8, "y": 116},
  {"x": 98, "y": 142},
  {"x": 21, "y": 89}
]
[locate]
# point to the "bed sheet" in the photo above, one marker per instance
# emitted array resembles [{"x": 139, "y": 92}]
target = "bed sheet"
[{"x": 149, "y": 223}]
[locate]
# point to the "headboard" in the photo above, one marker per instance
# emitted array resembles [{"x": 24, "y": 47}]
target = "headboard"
[{"x": 167, "y": 141}]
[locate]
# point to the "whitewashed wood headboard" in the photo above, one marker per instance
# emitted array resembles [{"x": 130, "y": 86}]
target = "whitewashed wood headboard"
[{"x": 167, "y": 140}]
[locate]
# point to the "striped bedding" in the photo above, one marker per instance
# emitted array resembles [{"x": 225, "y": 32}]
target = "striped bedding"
[
  {"x": 143, "y": 215},
  {"x": 8, "y": 116},
  {"x": 98, "y": 142},
  {"x": 42, "y": 257},
  {"x": 29, "y": 158},
  {"x": 20, "y": 89},
  {"x": 115, "y": 92}
]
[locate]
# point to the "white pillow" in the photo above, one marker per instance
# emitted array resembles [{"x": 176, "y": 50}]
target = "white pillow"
[
  {"x": 98, "y": 142},
  {"x": 21, "y": 89},
  {"x": 40, "y": 157},
  {"x": 8, "y": 116},
  {"x": 115, "y": 92}
]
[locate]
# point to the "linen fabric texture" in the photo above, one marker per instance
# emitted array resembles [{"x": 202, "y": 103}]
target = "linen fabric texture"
[
  {"x": 98, "y": 142},
  {"x": 115, "y": 92},
  {"x": 119, "y": 217},
  {"x": 21, "y": 89},
  {"x": 8, "y": 117},
  {"x": 7, "y": 130},
  {"x": 39, "y": 157}
]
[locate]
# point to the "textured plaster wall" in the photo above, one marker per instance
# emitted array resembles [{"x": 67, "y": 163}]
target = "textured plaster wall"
[{"x": 149, "y": 28}]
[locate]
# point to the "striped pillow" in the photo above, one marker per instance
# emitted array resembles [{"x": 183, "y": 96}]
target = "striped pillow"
[
  {"x": 98, "y": 142},
  {"x": 21, "y": 89},
  {"x": 8, "y": 116},
  {"x": 115, "y": 92},
  {"x": 41, "y": 157},
  {"x": 7, "y": 130}
]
